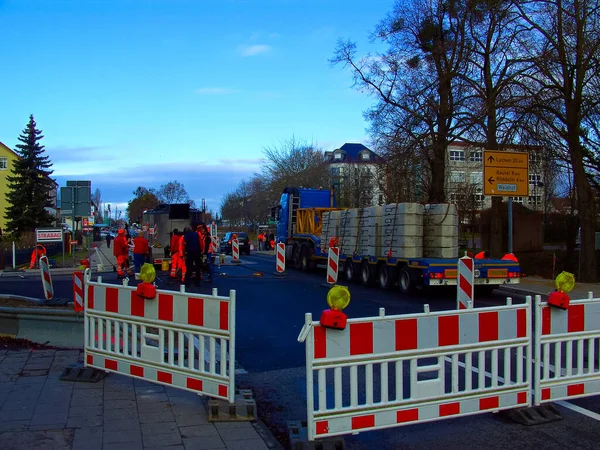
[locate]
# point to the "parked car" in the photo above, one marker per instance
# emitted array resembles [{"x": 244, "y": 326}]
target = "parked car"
[{"x": 225, "y": 245}]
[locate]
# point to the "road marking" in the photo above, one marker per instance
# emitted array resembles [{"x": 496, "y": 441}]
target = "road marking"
[{"x": 563, "y": 403}]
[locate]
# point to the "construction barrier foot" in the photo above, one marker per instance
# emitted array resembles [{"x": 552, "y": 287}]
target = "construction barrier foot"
[
  {"x": 298, "y": 436},
  {"x": 534, "y": 415},
  {"x": 242, "y": 410},
  {"x": 82, "y": 374}
]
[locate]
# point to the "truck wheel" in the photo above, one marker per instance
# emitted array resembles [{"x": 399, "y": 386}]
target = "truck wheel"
[
  {"x": 386, "y": 276},
  {"x": 349, "y": 270},
  {"x": 296, "y": 255},
  {"x": 366, "y": 273},
  {"x": 407, "y": 280},
  {"x": 305, "y": 261}
]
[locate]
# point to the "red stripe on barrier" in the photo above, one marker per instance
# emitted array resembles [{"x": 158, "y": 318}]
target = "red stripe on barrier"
[
  {"x": 546, "y": 320},
  {"x": 521, "y": 397},
  {"x": 466, "y": 286},
  {"x": 136, "y": 371},
  {"x": 406, "y": 334},
  {"x": 450, "y": 409},
  {"x": 47, "y": 277},
  {"x": 137, "y": 305},
  {"x": 521, "y": 323},
  {"x": 576, "y": 318},
  {"x": 488, "y": 326},
  {"x": 194, "y": 384},
  {"x": 363, "y": 422},
  {"x": 111, "y": 364},
  {"x": 546, "y": 394},
  {"x": 322, "y": 427},
  {"x": 90, "y": 359},
  {"x": 468, "y": 262},
  {"x": 223, "y": 390},
  {"x": 165, "y": 307},
  {"x": 112, "y": 300},
  {"x": 489, "y": 403},
  {"x": 408, "y": 415},
  {"x": 224, "y": 315},
  {"x": 361, "y": 338},
  {"x": 320, "y": 342},
  {"x": 90, "y": 299},
  {"x": 447, "y": 330},
  {"x": 164, "y": 377},
  {"x": 576, "y": 389},
  {"x": 461, "y": 305},
  {"x": 196, "y": 311}
]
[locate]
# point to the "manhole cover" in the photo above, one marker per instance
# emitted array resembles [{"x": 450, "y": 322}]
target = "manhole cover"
[
  {"x": 83, "y": 374},
  {"x": 34, "y": 373}
]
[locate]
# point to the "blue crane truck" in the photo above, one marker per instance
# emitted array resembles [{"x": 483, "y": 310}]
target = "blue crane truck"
[{"x": 299, "y": 218}]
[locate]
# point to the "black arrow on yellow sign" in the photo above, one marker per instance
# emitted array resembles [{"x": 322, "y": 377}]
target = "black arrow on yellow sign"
[
  {"x": 491, "y": 159},
  {"x": 490, "y": 180}
]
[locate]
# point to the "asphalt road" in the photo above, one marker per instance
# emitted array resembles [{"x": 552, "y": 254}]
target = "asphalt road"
[{"x": 270, "y": 314}]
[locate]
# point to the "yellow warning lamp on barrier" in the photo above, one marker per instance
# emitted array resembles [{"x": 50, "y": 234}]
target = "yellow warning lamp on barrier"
[
  {"x": 565, "y": 282},
  {"x": 338, "y": 298},
  {"x": 146, "y": 288}
]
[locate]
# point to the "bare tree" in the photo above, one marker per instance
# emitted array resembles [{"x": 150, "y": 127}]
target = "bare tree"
[
  {"x": 173, "y": 192},
  {"x": 564, "y": 43}
]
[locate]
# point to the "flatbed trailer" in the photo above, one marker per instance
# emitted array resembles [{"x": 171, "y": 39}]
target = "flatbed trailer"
[{"x": 409, "y": 273}]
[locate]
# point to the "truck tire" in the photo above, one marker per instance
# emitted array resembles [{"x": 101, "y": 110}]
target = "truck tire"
[
  {"x": 305, "y": 264},
  {"x": 296, "y": 255},
  {"x": 386, "y": 276},
  {"x": 367, "y": 273},
  {"x": 407, "y": 279},
  {"x": 349, "y": 270}
]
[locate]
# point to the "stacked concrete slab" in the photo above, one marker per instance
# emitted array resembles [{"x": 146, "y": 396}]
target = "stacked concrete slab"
[
  {"x": 440, "y": 231},
  {"x": 401, "y": 231}
]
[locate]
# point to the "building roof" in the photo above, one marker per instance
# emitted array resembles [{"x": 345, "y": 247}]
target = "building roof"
[
  {"x": 9, "y": 149},
  {"x": 351, "y": 152}
]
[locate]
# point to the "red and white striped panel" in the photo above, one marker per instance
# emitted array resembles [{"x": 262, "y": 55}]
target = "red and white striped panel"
[
  {"x": 215, "y": 244},
  {"x": 466, "y": 283},
  {"x": 391, "y": 417},
  {"x": 235, "y": 250},
  {"x": 280, "y": 260},
  {"x": 140, "y": 370},
  {"x": 582, "y": 315},
  {"x": 570, "y": 390},
  {"x": 176, "y": 308},
  {"x": 46, "y": 278},
  {"x": 333, "y": 265},
  {"x": 78, "y": 291},
  {"x": 421, "y": 332}
]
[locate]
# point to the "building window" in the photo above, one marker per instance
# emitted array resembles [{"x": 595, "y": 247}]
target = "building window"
[
  {"x": 476, "y": 177},
  {"x": 3, "y": 163},
  {"x": 365, "y": 156},
  {"x": 457, "y": 155},
  {"x": 478, "y": 198},
  {"x": 476, "y": 156},
  {"x": 535, "y": 178},
  {"x": 535, "y": 200},
  {"x": 518, "y": 200},
  {"x": 457, "y": 177},
  {"x": 337, "y": 155},
  {"x": 533, "y": 157},
  {"x": 336, "y": 171}
]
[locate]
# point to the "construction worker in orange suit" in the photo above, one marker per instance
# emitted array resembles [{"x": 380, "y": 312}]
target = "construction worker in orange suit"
[
  {"x": 37, "y": 253},
  {"x": 482, "y": 255},
  {"x": 174, "y": 253},
  {"x": 140, "y": 251},
  {"x": 182, "y": 258},
  {"x": 510, "y": 257},
  {"x": 121, "y": 252}
]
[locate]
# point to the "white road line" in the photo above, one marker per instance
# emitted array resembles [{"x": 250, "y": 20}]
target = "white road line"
[
  {"x": 579, "y": 409},
  {"x": 563, "y": 403}
]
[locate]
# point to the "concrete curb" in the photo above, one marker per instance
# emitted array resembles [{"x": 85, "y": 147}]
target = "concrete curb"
[{"x": 522, "y": 291}]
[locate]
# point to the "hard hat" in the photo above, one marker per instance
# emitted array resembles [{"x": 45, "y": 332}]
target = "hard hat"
[{"x": 121, "y": 231}]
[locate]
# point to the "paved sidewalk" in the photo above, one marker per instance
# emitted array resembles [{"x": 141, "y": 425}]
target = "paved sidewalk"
[
  {"x": 543, "y": 287},
  {"x": 37, "y": 410}
]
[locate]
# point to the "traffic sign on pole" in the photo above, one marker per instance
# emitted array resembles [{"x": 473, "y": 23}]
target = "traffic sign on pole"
[{"x": 505, "y": 173}]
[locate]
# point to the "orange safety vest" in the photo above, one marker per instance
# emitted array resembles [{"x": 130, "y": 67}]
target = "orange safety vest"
[{"x": 480, "y": 255}]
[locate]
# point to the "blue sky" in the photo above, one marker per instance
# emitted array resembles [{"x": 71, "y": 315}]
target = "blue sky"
[{"x": 141, "y": 92}]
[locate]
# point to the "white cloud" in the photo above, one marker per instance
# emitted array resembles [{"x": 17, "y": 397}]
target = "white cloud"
[
  {"x": 253, "y": 50},
  {"x": 215, "y": 91}
]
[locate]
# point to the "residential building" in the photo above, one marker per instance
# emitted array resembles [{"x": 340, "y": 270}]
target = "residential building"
[
  {"x": 7, "y": 159},
  {"x": 464, "y": 185},
  {"x": 355, "y": 173}
]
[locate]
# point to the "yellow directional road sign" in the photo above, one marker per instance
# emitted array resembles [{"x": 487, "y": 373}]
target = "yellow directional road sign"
[{"x": 505, "y": 173}]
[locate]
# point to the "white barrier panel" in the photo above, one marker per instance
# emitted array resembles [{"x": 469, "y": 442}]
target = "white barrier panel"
[
  {"x": 46, "y": 278},
  {"x": 359, "y": 372},
  {"x": 280, "y": 259},
  {"x": 566, "y": 351},
  {"x": 235, "y": 250},
  {"x": 333, "y": 265},
  {"x": 466, "y": 283},
  {"x": 178, "y": 339}
]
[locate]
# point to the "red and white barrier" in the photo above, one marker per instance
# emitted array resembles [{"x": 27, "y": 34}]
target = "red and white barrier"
[
  {"x": 235, "y": 250},
  {"x": 566, "y": 350},
  {"x": 333, "y": 265},
  {"x": 487, "y": 347},
  {"x": 215, "y": 243},
  {"x": 46, "y": 278},
  {"x": 280, "y": 258},
  {"x": 78, "y": 291},
  {"x": 466, "y": 283},
  {"x": 179, "y": 339}
]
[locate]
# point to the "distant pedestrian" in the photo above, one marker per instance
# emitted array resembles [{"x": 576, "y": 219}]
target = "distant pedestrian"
[{"x": 108, "y": 239}]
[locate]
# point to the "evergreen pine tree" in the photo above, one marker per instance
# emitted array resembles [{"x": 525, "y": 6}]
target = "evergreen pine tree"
[{"x": 29, "y": 185}]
